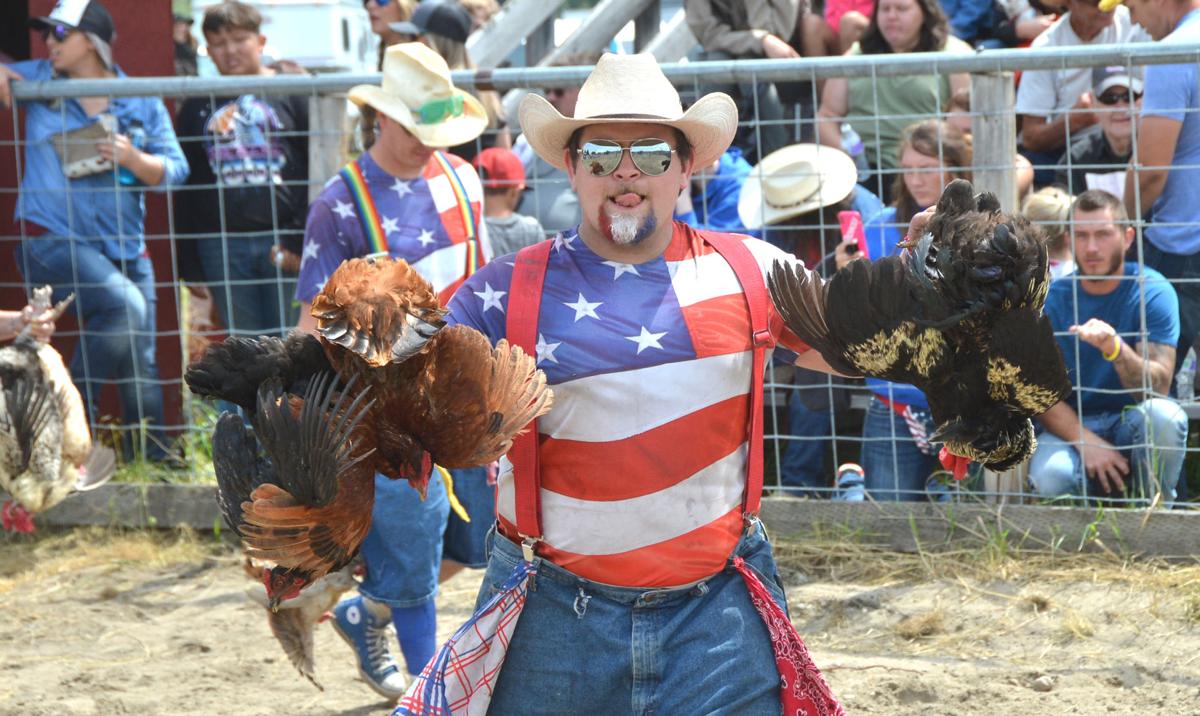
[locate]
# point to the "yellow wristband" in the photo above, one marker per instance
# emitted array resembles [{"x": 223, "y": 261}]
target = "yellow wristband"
[{"x": 1116, "y": 351}]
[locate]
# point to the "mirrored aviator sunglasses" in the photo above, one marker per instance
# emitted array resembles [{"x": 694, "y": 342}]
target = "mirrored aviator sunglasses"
[{"x": 601, "y": 157}]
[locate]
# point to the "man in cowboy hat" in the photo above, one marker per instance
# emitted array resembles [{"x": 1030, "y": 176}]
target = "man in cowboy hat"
[
  {"x": 424, "y": 206},
  {"x": 633, "y": 501}
]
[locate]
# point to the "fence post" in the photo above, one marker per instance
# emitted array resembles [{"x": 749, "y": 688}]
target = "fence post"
[
  {"x": 994, "y": 134},
  {"x": 540, "y": 42},
  {"x": 327, "y": 141},
  {"x": 645, "y": 25}
]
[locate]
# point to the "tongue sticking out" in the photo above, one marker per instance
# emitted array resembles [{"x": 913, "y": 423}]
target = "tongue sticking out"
[{"x": 628, "y": 200}]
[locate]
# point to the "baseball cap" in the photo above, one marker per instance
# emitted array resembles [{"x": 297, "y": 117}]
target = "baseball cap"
[
  {"x": 1104, "y": 78},
  {"x": 499, "y": 168},
  {"x": 87, "y": 16},
  {"x": 448, "y": 19}
]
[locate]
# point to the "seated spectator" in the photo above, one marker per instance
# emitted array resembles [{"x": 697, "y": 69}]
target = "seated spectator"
[
  {"x": 548, "y": 196},
  {"x": 481, "y": 11},
  {"x": 897, "y": 457},
  {"x": 794, "y": 196},
  {"x": 185, "y": 46},
  {"x": 1054, "y": 106},
  {"x": 758, "y": 29},
  {"x": 848, "y": 19},
  {"x": 382, "y": 14},
  {"x": 1017, "y": 23},
  {"x": 248, "y": 187},
  {"x": 712, "y": 202},
  {"x": 879, "y": 110},
  {"x": 1049, "y": 208},
  {"x": 1115, "y": 436},
  {"x": 444, "y": 27},
  {"x": 970, "y": 20},
  {"x": 503, "y": 180},
  {"x": 83, "y": 219},
  {"x": 1097, "y": 158}
]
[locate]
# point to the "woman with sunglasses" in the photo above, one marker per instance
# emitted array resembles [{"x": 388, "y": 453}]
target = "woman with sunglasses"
[{"x": 81, "y": 210}]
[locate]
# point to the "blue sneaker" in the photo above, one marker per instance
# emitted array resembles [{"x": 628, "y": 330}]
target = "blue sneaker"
[
  {"x": 366, "y": 633},
  {"x": 850, "y": 484}
]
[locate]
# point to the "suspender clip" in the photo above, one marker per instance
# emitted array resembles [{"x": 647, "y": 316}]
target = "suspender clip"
[{"x": 527, "y": 547}]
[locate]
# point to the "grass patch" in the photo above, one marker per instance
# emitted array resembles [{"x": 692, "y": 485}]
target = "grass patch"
[{"x": 193, "y": 448}]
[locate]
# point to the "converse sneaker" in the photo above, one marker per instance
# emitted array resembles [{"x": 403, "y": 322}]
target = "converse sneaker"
[{"x": 366, "y": 633}]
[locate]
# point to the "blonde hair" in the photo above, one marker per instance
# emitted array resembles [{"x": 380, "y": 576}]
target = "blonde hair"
[{"x": 1050, "y": 209}]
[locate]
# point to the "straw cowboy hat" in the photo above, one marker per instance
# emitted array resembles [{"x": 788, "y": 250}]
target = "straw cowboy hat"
[
  {"x": 793, "y": 181},
  {"x": 630, "y": 88},
  {"x": 418, "y": 95}
]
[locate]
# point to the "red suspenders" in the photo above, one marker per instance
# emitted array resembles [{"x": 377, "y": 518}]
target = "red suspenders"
[{"x": 524, "y": 304}]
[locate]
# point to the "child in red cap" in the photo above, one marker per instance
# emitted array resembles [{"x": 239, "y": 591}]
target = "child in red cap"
[{"x": 503, "y": 179}]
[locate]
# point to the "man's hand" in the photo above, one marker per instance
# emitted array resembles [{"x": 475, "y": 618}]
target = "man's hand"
[
  {"x": 42, "y": 327},
  {"x": 776, "y": 49},
  {"x": 1103, "y": 462},
  {"x": 916, "y": 227},
  {"x": 119, "y": 150},
  {"x": 6, "y": 77},
  {"x": 1097, "y": 334}
]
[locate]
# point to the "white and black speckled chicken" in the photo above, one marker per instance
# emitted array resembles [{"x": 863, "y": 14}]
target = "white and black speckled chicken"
[
  {"x": 958, "y": 314},
  {"x": 46, "y": 449}
]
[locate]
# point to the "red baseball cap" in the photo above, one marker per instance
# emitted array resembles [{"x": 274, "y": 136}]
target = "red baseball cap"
[{"x": 499, "y": 168}]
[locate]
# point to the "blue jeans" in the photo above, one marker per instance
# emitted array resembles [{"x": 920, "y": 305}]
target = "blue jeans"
[
  {"x": 581, "y": 647},
  {"x": 115, "y": 305},
  {"x": 253, "y": 298},
  {"x": 895, "y": 468},
  {"x": 803, "y": 460},
  {"x": 1175, "y": 267},
  {"x": 1152, "y": 435},
  {"x": 466, "y": 542},
  {"x": 403, "y": 549}
]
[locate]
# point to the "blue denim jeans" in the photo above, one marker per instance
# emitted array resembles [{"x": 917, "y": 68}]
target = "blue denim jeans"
[
  {"x": 803, "y": 461},
  {"x": 466, "y": 542},
  {"x": 1152, "y": 435},
  {"x": 1175, "y": 267},
  {"x": 894, "y": 467},
  {"x": 403, "y": 549},
  {"x": 115, "y": 305},
  {"x": 581, "y": 647},
  {"x": 253, "y": 298}
]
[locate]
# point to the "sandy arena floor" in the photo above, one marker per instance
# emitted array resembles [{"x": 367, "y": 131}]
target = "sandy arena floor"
[{"x": 96, "y": 622}]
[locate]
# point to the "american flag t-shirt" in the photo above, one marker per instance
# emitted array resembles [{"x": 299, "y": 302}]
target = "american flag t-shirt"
[{"x": 643, "y": 456}]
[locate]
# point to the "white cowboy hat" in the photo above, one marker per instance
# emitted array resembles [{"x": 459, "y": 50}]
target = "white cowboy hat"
[
  {"x": 624, "y": 89},
  {"x": 793, "y": 181},
  {"x": 418, "y": 95}
]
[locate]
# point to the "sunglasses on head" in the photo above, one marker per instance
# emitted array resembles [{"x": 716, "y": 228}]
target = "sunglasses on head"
[
  {"x": 1118, "y": 96},
  {"x": 437, "y": 110},
  {"x": 601, "y": 157},
  {"x": 383, "y": 3},
  {"x": 59, "y": 32}
]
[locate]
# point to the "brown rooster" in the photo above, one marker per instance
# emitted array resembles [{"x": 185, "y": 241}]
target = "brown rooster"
[
  {"x": 409, "y": 392},
  {"x": 958, "y": 314}
]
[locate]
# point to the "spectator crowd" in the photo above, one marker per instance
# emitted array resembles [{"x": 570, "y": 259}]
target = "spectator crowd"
[{"x": 829, "y": 170}]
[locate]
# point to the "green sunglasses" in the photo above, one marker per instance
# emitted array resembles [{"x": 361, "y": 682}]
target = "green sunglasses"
[
  {"x": 601, "y": 157},
  {"x": 437, "y": 110}
]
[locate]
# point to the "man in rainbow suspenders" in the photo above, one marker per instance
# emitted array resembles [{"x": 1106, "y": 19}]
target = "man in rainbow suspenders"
[
  {"x": 406, "y": 198},
  {"x": 629, "y": 572}
]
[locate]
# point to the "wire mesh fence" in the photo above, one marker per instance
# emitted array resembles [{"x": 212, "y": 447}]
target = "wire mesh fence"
[{"x": 160, "y": 271}]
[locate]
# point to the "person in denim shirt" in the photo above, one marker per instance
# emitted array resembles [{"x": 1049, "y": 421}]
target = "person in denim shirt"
[{"x": 85, "y": 234}]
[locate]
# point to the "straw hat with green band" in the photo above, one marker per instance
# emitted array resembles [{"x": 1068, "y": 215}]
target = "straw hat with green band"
[{"x": 418, "y": 95}]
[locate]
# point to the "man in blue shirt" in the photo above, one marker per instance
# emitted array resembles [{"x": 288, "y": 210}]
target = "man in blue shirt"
[
  {"x": 83, "y": 233},
  {"x": 1164, "y": 182},
  {"x": 1117, "y": 324}
]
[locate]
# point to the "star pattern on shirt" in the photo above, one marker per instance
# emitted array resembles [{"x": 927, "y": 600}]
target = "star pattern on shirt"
[
  {"x": 426, "y": 237},
  {"x": 389, "y": 225},
  {"x": 320, "y": 285},
  {"x": 646, "y": 340},
  {"x": 620, "y": 268},
  {"x": 401, "y": 188},
  {"x": 491, "y": 299},
  {"x": 584, "y": 308},
  {"x": 343, "y": 209},
  {"x": 563, "y": 242},
  {"x": 545, "y": 351},
  {"x": 311, "y": 251}
]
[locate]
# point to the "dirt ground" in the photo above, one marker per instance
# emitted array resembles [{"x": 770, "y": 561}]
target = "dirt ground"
[{"x": 98, "y": 622}]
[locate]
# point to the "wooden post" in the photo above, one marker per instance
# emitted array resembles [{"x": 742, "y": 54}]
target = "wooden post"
[
  {"x": 327, "y": 142},
  {"x": 645, "y": 25},
  {"x": 539, "y": 43},
  {"x": 994, "y": 134}
]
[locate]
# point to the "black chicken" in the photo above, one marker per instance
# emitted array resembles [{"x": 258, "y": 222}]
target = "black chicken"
[{"x": 958, "y": 314}]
